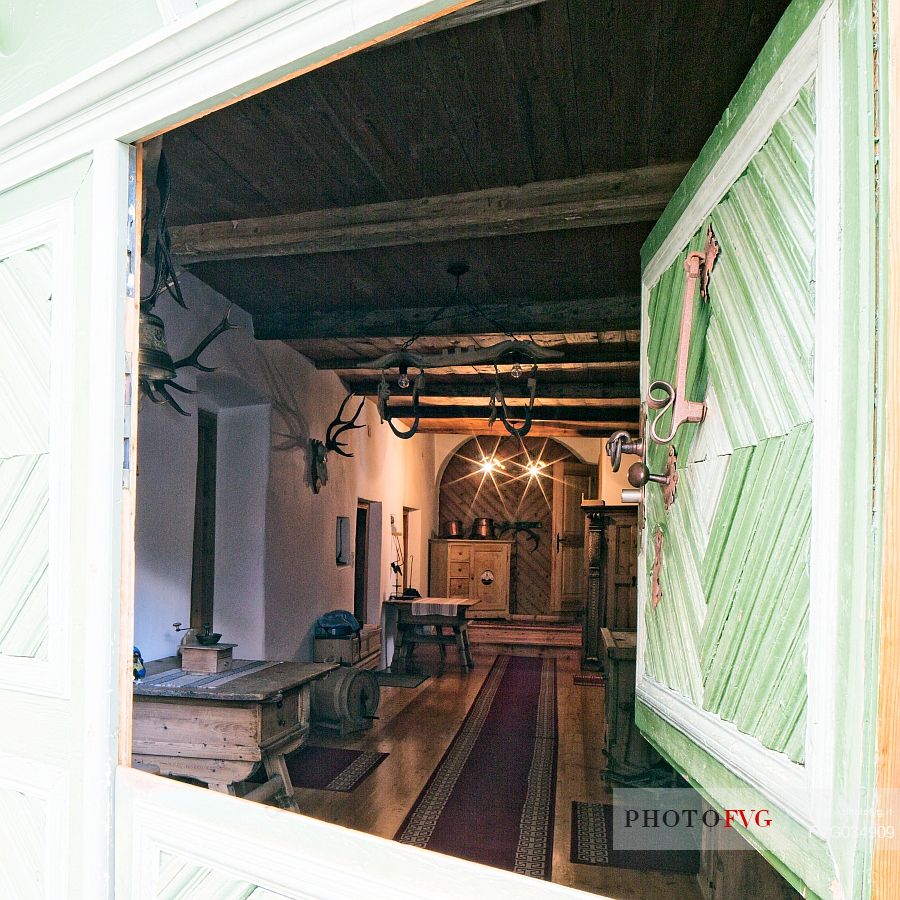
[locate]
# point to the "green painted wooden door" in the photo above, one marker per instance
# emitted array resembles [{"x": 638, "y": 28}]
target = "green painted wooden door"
[
  {"x": 749, "y": 667},
  {"x": 62, "y": 296}
]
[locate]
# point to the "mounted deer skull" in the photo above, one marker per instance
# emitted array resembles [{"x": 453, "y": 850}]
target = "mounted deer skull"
[{"x": 319, "y": 451}]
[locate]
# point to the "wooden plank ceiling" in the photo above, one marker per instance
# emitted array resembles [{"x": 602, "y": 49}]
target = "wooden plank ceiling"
[{"x": 538, "y": 140}]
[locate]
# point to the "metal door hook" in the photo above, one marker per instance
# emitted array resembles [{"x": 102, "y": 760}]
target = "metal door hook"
[
  {"x": 698, "y": 267},
  {"x": 621, "y": 442}
]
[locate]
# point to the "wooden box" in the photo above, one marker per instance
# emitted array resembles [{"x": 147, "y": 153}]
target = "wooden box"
[
  {"x": 344, "y": 649},
  {"x": 200, "y": 659},
  {"x": 361, "y": 649}
]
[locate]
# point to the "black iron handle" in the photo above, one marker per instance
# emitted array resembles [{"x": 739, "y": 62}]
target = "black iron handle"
[{"x": 621, "y": 442}]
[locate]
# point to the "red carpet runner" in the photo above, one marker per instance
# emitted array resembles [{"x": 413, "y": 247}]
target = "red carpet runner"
[{"x": 491, "y": 798}]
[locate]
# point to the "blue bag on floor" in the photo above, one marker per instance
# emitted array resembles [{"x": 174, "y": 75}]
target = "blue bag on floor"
[{"x": 337, "y": 623}]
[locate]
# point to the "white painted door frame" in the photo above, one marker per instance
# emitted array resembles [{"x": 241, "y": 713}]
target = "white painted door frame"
[{"x": 209, "y": 57}]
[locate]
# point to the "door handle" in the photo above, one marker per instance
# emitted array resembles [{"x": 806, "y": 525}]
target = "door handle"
[
  {"x": 559, "y": 541},
  {"x": 698, "y": 267}
]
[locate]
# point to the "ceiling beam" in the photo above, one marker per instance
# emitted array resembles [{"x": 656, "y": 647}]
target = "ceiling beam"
[
  {"x": 472, "y": 389},
  {"x": 603, "y": 198},
  {"x": 465, "y": 16},
  {"x": 573, "y": 354},
  {"x": 522, "y": 317},
  {"x": 611, "y": 416},
  {"x": 539, "y": 429}
]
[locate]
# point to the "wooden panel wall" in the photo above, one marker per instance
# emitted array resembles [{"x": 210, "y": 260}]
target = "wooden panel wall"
[
  {"x": 730, "y": 633},
  {"x": 25, "y": 283},
  {"x": 510, "y": 495}
]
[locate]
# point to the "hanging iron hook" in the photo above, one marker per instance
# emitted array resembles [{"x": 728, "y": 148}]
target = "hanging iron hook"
[
  {"x": 384, "y": 411},
  {"x": 497, "y": 398}
]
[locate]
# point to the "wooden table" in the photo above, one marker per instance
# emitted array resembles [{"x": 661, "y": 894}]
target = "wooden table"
[
  {"x": 408, "y": 621},
  {"x": 219, "y": 728}
]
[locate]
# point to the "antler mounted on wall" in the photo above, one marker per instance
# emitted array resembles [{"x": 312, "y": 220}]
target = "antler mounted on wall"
[
  {"x": 156, "y": 370},
  {"x": 339, "y": 425},
  {"x": 319, "y": 451}
]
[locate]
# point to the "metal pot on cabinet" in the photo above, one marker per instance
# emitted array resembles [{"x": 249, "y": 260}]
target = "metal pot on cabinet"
[{"x": 483, "y": 528}]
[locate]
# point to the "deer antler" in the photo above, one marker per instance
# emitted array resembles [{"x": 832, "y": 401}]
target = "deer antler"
[
  {"x": 193, "y": 359},
  {"x": 339, "y": 425}
]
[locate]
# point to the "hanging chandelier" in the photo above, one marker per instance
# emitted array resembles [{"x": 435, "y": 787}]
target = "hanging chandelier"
[{"x": 510, "y": 350}]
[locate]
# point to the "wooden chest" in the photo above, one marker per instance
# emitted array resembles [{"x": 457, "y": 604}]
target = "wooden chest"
[
  {"x": 220, "y": 730},
  {"x": 361, "y": 649},
  {"x": 627, "y": 751},
  {"x": 207, "y": 660}
]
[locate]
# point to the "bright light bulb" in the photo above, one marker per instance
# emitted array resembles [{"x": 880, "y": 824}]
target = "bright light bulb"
[
  {"x": 487, "y": 465},
  {"x": 516, "y": 371},
  {"x": 534, "y": 468}
]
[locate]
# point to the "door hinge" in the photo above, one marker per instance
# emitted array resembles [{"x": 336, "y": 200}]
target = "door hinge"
[
  {"x": 130, "y": 282},
  {"x": 126, "y": 433}
]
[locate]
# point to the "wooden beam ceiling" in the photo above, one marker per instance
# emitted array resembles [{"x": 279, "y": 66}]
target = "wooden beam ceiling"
[
  {"x": 468, "y": 390},
  {"x": 610, "y": 417},
  {"x": 539, "y": 429},
  {"x": 614, "y": 356},
  {"x": 604, "y": 198},
  {"x": 525, "y": 317}
]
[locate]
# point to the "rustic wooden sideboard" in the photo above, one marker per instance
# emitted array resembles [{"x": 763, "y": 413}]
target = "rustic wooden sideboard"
[{"x": 472, "y": 570}]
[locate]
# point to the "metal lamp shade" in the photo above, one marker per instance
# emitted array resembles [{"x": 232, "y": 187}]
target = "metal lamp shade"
[{"x": 154, "y": 360}]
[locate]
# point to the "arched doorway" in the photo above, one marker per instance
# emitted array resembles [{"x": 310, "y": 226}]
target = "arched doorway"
[{"x": 516, "y": 482}]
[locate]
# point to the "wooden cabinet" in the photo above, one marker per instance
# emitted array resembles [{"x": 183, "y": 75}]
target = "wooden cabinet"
[
  {"x": 627, "y": 752},
  {"x": 620, "y": 607},
  {"x": 472, "y": 570},
  {"x": 612, "y": 575}
]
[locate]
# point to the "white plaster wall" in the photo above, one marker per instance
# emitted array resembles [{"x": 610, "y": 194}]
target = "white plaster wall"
[{"x": 275, "y": 555}]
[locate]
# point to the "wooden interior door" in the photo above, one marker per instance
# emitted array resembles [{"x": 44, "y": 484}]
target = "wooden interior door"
[
  {"x": 621, "y": 569},
  {"x": 571, "y": 483},
  {"x": 203, "y": 574},
  {"x": 361, "y": 562}
]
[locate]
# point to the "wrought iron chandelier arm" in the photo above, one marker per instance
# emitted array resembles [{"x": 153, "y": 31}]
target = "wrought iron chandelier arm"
[
  {"x": 384, "y": 410},
  {"x": 497, "y": 396}
]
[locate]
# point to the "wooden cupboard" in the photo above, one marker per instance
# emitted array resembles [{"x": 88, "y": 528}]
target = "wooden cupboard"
[
  {"x": 472, "y": 569},
  {"x": 612, "y": 575}
]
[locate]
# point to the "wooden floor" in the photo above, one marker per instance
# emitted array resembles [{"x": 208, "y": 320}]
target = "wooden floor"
[{"x": 416, "y": 726}]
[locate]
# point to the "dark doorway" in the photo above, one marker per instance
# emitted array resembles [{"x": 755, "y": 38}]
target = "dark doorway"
[
  {"x": 361, "y": 561},
  {"x": 203, "y": 573}
]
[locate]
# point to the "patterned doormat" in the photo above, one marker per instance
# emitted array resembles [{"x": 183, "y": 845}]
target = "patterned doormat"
[
  {"x": 331, "y": 768},
  {"x": 592, "y": 845},
  {"x": 491, "y": 797}
]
